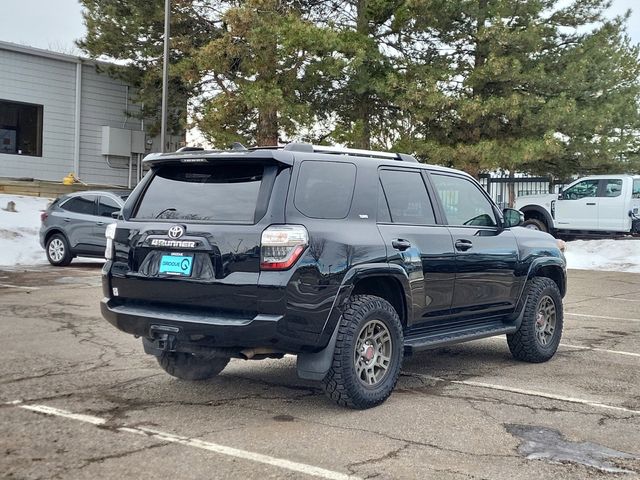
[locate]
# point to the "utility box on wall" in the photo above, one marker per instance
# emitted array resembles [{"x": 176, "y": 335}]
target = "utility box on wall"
[
  {"x": 138, "y": 141},
  {"x": 116, "y": 142}
]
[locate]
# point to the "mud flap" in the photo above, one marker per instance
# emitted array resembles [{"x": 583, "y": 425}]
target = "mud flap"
[{"x": 315, "y": 366}]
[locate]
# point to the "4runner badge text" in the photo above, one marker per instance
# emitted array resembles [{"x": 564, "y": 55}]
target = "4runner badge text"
[{"x": 161, "y": 242}]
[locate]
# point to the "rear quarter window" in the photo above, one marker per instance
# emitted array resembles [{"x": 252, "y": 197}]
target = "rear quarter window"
[
  {"x": 325, "y": 189},
  {"x": 220, "y": 192}
]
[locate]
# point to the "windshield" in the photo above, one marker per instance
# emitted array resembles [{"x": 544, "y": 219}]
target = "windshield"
[{"x": 222, "y": 192}]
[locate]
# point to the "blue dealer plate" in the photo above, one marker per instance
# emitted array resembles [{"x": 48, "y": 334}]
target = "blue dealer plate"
[{"x": 176, "y": 264}]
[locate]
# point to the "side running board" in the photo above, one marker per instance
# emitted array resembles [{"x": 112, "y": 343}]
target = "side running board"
[{"x": 439, "y": 335}]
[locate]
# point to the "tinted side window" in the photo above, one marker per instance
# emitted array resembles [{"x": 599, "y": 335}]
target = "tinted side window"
[
  {"x": 325, "y": 189},
  {"x": 81, "y": 204},
  {"x": 407, "y": 197},
  {"x": 586, "y": 188},
  {"x": 106, "y": 206},
  {"x": 612, "y": 188},
  {"x": 636, "y": 189},
  {"x": 463, "y": 202}
]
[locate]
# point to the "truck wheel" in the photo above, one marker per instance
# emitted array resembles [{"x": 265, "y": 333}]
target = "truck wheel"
[
  {"x": 58, "y": 251},
  {"x": 534, "y": 224},
  {"x": 539, "y": 334},
  {"x": 189, "y": 367},
  {"x": 368, "y": 354}
]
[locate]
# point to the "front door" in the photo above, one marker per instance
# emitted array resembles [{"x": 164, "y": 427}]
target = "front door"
[
  {"x": 414, "y": 240},
  {"x": 577, "y": 207},
  {"x": 106, "y": 206},
  {"x": 486, "y": 255}
]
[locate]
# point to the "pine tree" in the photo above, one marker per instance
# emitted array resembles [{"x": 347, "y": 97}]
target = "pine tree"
[
  {"x": 131, "y": 33},
  {"x": 268, "y": 71},
  {"x": 525, "y": 87}
]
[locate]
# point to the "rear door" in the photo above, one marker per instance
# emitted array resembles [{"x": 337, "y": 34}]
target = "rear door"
[
  {"x": 78, "y": 219},
  {"x": 193, "y": 238},
  {"x": 486, "y": 255},
  {"x": 613, "y": 210},
  {"x": 414, "y": 240}
]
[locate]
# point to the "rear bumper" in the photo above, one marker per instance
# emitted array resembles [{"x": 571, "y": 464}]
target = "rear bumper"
[{"x": 190, "y": 327}]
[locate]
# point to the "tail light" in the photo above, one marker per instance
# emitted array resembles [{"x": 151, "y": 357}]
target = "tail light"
[
  {"x": 282, "y": 245},
  {"x": 110, "y": 233},
  {"x": 43, "y": 216}
]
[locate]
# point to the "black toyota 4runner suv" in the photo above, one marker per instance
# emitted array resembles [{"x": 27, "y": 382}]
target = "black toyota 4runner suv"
[{"x": 349, "y": 259}]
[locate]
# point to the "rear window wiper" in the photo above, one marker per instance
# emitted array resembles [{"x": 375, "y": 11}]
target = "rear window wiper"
[{"x": 171, "y": 209}]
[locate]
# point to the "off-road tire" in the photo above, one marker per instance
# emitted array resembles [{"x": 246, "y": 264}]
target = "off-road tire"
[
  {"x": 341, "y": 383},
  {"x": 524, "y": 343},
  {"x": 67, "y": 255},
  {"x": 189, "y": 367},
  {"x": 538, "y": 224}
]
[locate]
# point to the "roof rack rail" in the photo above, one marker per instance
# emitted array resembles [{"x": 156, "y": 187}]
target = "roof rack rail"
[
  {"x": 309, "y": 148},
  {"x": 190, "y": 149}
]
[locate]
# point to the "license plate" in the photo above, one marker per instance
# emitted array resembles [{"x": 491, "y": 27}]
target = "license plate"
[{"x": 176, "y": 264}]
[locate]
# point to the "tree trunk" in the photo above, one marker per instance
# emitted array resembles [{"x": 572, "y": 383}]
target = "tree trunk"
[
  {"x": 267, "y": 128},
  {"x": 362, "y": 111}
]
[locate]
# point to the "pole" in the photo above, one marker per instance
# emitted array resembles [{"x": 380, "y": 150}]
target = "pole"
[{"x": 165, "y": 75}]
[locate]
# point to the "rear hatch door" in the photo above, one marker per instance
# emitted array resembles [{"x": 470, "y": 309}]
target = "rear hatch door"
[{"x": 193, "y": 236}]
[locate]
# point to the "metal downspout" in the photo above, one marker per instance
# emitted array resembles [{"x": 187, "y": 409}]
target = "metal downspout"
[{"x": 76, "y": 134}]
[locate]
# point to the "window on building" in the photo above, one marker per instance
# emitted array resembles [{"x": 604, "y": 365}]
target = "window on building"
[{"x": 20, "y": 128}]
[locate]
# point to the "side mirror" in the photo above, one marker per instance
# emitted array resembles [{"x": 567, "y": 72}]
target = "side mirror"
[
  {"x": 561, "y": 194},
  {"x": 512, "y": 217},
  {"x": 117, "y": 214}
]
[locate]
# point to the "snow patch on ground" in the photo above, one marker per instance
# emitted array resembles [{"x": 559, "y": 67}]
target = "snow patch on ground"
[
  {"x": 19, "y": 243},
  {"x": 609, "y": 255}
]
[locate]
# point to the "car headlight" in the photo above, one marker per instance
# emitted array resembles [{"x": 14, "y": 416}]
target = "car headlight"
[
  {"x": 110, "y": 233},
  {"x": 562, "y": 245}
]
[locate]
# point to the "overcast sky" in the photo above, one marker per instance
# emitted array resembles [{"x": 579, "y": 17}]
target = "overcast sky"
[{"x": 55, "y": 24}]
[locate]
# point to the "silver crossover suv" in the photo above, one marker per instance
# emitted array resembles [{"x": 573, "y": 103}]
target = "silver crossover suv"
[{"x": 74, "y": 225}]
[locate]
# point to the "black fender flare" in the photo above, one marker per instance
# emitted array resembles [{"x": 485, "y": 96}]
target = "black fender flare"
[
  {"x": 534, "y": 268},
  {"x": 316, "y": 365},
  {"x": 541, "y": 210}
]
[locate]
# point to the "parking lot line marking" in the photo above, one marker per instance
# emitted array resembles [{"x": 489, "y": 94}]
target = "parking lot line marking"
[
  {"x": 533, "y": 393},
  {"x": 623, "y": 299},
  {"x": 7, "y": 285},
  {"x": 196, "y": 443},
  {"x": 605, "y": 350},
  {"x": 603, "y": 317},
  {"x": 63, "y": 413}
]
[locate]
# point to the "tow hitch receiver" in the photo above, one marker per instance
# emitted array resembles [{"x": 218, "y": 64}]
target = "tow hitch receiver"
[{"x": 163, "y": 338}]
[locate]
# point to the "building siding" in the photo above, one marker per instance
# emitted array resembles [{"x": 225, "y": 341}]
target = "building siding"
[
  {"x": 104, "y": 102},
  {"x": 51, "y": 82}
]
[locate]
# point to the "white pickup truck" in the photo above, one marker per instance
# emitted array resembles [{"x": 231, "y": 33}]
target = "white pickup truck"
[{"x": 599, "y": 205}]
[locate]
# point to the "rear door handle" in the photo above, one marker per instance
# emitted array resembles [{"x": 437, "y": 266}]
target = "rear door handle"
[
  {"x": 99, "y": 223},
  {"x": 400, "y": 244},
  {"x": 463, "y": 245},
  {"x": 590, "y": 203}
]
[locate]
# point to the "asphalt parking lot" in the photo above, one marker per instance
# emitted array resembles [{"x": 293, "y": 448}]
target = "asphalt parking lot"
[{"x": 79, "y": 399}]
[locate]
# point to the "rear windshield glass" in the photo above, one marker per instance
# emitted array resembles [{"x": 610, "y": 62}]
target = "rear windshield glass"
[
  {"x": 325, "y": 189},
  {"x": 220, "y": 192}
]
